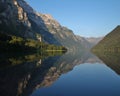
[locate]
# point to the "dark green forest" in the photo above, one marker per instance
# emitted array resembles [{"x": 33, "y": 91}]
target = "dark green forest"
[{"x": 10, "y": 43}]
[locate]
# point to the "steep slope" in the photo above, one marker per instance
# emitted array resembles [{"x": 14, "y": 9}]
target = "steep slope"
[
  {"x": 64, "y": 35},
  {"x": 19, "y": 19},
  {"x": 93, "y": 40},
  {"x": 88, "y": 43},
  {"x": 84, "y": 42},
  {"x": 13, "y": 19},
  {"x": 110, "y": 42},
  {"x": 37, "y": 24}
]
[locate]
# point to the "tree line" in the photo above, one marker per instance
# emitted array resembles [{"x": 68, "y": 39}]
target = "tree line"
[{"x": 14, "y": 43}]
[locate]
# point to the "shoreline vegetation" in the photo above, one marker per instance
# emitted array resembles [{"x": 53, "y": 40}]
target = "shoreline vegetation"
[
  {"x": 10, "y": 43},
  {"x": 16, "y": 50},
  {"x": 13, "y": 59}
]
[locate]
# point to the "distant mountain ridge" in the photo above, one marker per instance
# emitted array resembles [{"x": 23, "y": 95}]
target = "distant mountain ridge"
[
  {"x": 93, "y": 40},
  {"x": 88, "y": 43}
]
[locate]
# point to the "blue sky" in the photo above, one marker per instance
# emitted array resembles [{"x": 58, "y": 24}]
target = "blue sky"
[{"x": 88, "y": 18}]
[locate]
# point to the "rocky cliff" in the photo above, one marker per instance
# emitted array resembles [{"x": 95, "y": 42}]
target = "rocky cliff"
[
  {"x": 64, "y": 35},
  {"x": 18, "y": 18},
  {"x": 14, "y": 20}
]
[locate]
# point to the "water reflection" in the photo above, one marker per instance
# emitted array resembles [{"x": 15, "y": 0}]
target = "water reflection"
[
  {"x": 21, "y": 75},
  {"x": 18, "y": 71},
  {"x": 111, "y": 59},
  {"x": 91, "y": 78}
]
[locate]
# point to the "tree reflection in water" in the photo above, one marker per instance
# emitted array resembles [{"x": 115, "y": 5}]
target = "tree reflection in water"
[{"x": 20, "y": 76}]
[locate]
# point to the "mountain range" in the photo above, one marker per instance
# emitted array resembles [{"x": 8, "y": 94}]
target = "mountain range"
[{"x": 19, "y": 19}]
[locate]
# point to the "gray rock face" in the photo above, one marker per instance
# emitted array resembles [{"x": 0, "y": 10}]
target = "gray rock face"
[
  {"x": 64, "y": 35},
  {"x": 18, "y": 18},
  {"x": 14, "y": 20},
  {"x": 37, "y": 24}
]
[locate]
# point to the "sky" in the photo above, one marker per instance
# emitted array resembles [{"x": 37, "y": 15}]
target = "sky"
[{"x": 87, "y": 18}]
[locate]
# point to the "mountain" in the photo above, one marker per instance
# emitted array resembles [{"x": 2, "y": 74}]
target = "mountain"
[
  {"x": 19, "y": 19},
  {"x": 111, "y": 59},
  {"x": 111, "y": 42},
  {"x": 84, "y": 42},
  {"x": 88, "y": 43},
  {"x": 64, "y": 35},
  {"x": 38, "y": 71},
  {"x": 93, "y": 40},
  {"x": 14, "y": 20}
]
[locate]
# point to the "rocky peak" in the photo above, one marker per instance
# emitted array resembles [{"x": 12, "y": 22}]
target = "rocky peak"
[
  {"x": 25, "y": 6},
  {"x": 64, "y": 35},
  {"x": 49, "y": 20},
  {"x": 32, "y": 14},
  {"x": 22, "y": 15},
  {"x": 48, "y": 16}
]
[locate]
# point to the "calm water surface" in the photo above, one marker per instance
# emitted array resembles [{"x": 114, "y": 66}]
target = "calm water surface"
[
  {"x": 85, "y": 80},
  {"x": 70, "y": 74}
]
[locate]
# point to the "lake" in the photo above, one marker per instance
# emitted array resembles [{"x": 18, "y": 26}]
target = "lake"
[{"x": 70, "y": 74}]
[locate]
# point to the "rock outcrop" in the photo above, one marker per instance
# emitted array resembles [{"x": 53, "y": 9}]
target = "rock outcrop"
[
  {"x": 64, "y": 35},
  {"x": 18, "y": 18}
]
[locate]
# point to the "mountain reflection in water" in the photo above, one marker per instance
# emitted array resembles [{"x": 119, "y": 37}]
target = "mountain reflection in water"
[
  {"x": 22, "y": 76},
  {"x": 111, "y": 59}
]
